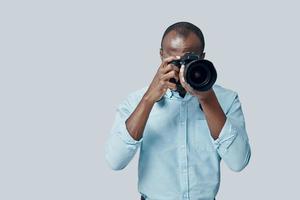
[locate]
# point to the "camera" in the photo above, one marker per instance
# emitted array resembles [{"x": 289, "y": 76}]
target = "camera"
[{"x": 199, "y": 73}]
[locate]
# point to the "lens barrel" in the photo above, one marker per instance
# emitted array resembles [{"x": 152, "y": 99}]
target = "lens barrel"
[{"x": 200, "y": 74}]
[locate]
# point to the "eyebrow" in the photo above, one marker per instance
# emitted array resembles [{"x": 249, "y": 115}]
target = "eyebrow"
[{"x": 171, "y": 50}]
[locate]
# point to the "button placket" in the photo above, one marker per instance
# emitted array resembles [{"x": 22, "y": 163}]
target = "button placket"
[{"x": 183, "y": 141}]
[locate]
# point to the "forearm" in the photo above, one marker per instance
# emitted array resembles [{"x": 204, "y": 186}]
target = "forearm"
[
  {"x": 214, "y": 114},
  {"x": 235, "y": 151},
  {"x": 126, "y": 133},
  {"x": 136, "y": 122},
  {"x": 231, "y": 142}
]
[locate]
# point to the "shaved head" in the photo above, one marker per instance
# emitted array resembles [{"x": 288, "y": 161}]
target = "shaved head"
[{"x": 183, "y": 30}]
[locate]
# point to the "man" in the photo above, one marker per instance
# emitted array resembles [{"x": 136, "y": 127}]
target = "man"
[{"x": 182, "y": 136}]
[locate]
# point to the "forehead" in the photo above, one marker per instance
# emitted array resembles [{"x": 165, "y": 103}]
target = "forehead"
[{"x": 176, "y": 44}]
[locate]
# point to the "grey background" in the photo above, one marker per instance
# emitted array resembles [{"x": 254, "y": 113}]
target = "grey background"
[{"x": 58, "y": 97}]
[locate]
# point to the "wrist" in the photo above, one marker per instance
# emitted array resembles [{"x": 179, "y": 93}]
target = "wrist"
[
  {"x": 147, "y": 100},
  {"x": 206, "y": 97}
]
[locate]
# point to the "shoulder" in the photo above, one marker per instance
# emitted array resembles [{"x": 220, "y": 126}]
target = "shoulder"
[
  {"x": 225, "y": 96},
  {"x": 223, "y": 91}
]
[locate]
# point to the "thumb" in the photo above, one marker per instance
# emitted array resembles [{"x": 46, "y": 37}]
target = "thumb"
[{"x": 181, "y": 77}]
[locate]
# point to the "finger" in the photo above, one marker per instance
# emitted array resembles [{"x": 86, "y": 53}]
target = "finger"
[
  {"x": 168, "y": 68},
  {"x": 166, "y": 84},
  {"x": 171, "y": 58},
  {"x": 170, "y": 74},
  {"x": 166, "y": 61},
  {"x": 181, "y": 77},
  {"x": 172, "y": 86},
  {"x": 184, "y": 84}
]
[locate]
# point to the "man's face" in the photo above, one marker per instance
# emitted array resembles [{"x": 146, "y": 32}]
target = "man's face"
[{"x": 176, "y": 45}]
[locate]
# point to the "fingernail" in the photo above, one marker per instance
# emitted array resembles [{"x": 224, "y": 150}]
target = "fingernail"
[{"x": 178, "y": 57}]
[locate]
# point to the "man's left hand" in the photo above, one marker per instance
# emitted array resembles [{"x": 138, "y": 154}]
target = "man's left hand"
[{"x": 201, "y": 95}]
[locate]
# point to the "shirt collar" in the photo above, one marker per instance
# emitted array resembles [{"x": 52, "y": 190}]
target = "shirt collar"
[{"x": 175, "y": 95}]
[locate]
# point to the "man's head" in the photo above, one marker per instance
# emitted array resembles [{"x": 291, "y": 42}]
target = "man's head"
[{"x": 180, "y": 38}]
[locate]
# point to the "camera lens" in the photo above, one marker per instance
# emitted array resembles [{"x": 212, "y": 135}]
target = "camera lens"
[{"x": 200, "y": 74}]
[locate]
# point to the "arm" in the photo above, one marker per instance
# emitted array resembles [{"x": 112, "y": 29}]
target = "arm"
[
  {"x": 126, "y": 133},
  {"x": 213, "y": 112},
  {"x": 228, "y": 131},
  {"x": 137, "y": 121}
]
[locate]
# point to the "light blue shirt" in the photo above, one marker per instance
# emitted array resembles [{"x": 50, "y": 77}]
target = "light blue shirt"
[{"x": 179, "y": 159}]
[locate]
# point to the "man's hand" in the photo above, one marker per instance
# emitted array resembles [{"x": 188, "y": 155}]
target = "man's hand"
[
  {"x": 212, "y": 109},
  {"x": 201, "y": 95},
  {"x": 136, "y": 122},
  {"x": 160, "y": 82}
]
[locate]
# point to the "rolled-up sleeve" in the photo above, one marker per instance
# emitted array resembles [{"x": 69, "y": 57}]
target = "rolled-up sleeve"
[
  {"x": 233, "y": 143},
  {"x": 120, "y": 147}
]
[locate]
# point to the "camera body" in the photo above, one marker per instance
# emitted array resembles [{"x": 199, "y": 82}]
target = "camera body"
[{"x": 199, "y": 73}]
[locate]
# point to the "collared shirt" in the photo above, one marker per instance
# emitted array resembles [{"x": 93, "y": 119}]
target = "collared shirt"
[{"x": 179, "y": 159}]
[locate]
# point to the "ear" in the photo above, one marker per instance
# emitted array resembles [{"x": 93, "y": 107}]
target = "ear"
[
  {"x": 203, "y": 55},
  {"x": 161, "y": 53}
]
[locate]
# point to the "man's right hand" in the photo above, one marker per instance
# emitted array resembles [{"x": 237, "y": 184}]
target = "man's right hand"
[
  {"x": 160, "y": 82},
  {"x": 136, "y": 122}
]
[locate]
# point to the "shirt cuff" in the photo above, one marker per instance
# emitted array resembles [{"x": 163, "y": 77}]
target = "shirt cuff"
[
  {"x": 125, "y": 135},
  {"x": 227, "y": 135}
]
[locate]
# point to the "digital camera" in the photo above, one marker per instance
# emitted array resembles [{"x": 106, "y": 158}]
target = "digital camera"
[{"x": 199, "y": 73}]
